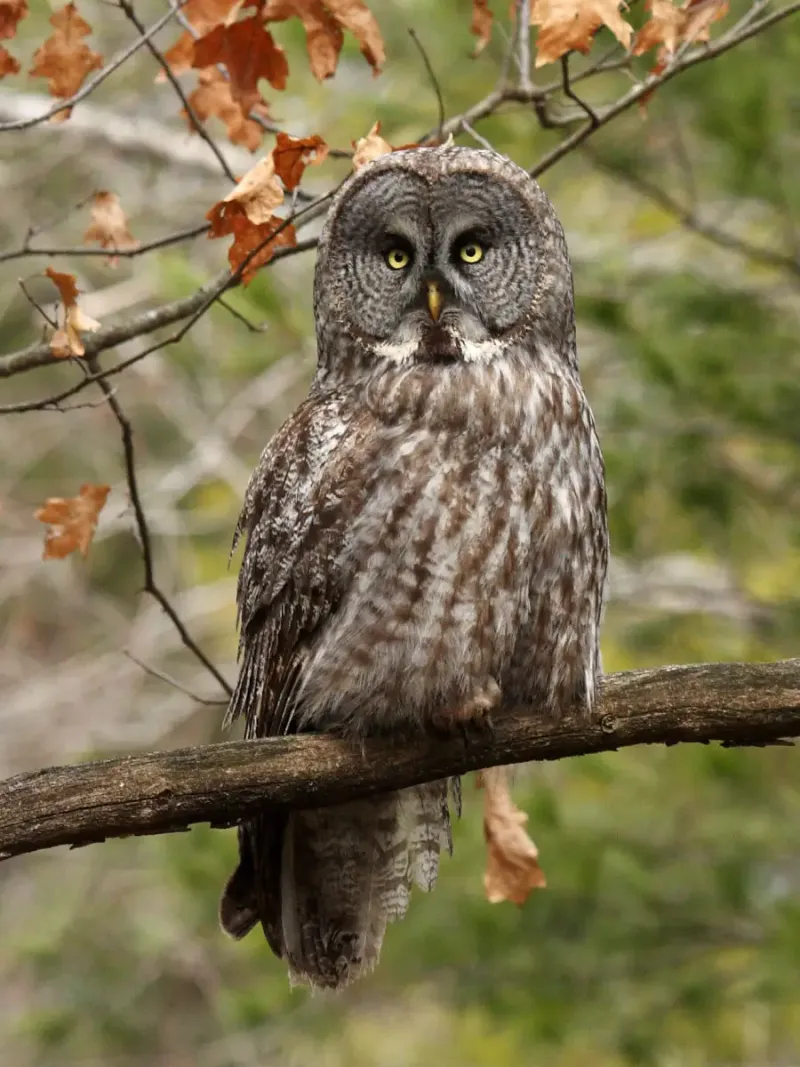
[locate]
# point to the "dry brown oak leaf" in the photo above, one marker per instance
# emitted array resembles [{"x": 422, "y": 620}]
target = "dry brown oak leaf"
[
  {"x": 249, "y": 53},
  {"x": 65, "y": 59},
  {"x": 66, "y": 341},
  {"x": 481, "y": 24},
  {"x": 247, "y": 213},
  {"x": 291, "y": 156},
  {"x": 72, "y": 520},
  {"x": 570, "y": 25},
  {"x": 8, "y": 65},
  {"x": 202, "y": 16},
  {"x": 512, "y": 864},
  {"x": 11, "y": 12},
  {"x": 323, "y": 22},
  {"x": 109, "y": 226},
  {"x": 212, "y": 97},
  {"x": 670, "y": 26},
  {"x": 365, "y": 149}
]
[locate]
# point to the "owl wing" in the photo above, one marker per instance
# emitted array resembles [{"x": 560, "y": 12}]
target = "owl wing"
[{"x": 295, "y": 519}]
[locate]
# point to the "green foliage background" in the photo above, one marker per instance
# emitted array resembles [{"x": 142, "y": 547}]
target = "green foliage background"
[{"x": 670, "y": 931}]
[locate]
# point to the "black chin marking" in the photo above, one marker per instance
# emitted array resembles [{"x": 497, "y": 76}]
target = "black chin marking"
[{"x": 438, "y": 346}]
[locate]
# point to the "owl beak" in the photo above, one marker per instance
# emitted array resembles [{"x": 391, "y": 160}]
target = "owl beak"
[{"x": 434, "y": 300}]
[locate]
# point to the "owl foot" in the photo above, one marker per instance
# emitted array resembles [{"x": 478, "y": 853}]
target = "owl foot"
[{"x": 471, "y": 715}]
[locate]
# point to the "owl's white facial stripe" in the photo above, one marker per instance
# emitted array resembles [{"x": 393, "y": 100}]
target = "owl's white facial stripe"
[
  {"x": 480, "y": 351},
  {"x": 398, "y": 351},
  {"x": 405, "y": 351}
]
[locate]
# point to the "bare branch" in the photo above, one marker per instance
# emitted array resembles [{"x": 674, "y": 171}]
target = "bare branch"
[
  {"x": 194, "y": 119},
  {"x": 434, "y": 80},
  {"x": 524, "y": 44},
  {"x": 681, "y": 62},
  {"x": 570, "y": 92},
  {"x": 190, "y": 307},
  {"x": 90, "y": 86},
  {"x": 120, "y": 253},
  {"x": 689, "y": 218},
  {"x": 736, "y": 703},
  {"x": 136, "y": 134},
  {"x": 143, "y": 529}
]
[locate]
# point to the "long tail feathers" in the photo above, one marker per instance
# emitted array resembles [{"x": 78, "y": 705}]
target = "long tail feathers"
[{"x": 345, "y": 872}]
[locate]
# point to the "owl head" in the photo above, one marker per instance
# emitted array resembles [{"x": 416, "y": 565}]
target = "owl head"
[{"x": 438, "y": 256}]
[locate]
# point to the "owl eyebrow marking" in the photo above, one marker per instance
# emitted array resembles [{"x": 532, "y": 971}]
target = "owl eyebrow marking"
[{"x": 392, "y": 240}]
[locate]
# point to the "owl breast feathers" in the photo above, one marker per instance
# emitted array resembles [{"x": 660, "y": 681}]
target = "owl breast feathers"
[{"x": 425, "y": 536}]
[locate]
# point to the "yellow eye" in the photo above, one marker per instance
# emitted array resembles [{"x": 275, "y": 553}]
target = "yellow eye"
[
  {"x": 397, "y": 258},
  {"x": 471, "y": 252}
]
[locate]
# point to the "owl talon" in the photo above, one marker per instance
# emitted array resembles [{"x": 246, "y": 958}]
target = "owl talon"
[{"x": 471, "y": 716}]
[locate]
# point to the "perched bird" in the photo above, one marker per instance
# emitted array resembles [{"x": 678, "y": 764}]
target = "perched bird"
[{"x": 425, "y": 536}]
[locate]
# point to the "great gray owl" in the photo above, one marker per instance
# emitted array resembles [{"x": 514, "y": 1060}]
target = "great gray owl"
[{"x": 426, "y": 534}]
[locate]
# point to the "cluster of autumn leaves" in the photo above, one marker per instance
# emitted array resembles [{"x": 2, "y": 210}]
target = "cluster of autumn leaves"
[
  {"x": 233, "y": 50},
  {"x": 565, "y": 26}
]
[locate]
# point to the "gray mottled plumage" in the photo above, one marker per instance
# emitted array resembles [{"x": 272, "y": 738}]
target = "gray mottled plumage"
[{"x": 426, "y": 534}]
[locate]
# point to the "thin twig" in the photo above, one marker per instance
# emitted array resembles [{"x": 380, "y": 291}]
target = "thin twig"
[
  {"x": 143, "y": 529},
  {"x": 164, "y": 677},
  {"x": 253, "y": 327},
  {"x": 465, "y": 126},
  {"x": 524, "y": 44},
  {"x": 570, "y": 92},
  {"x": 36, "y": 305},
  {"x": 688, "y": 217},
  {"x": 98, "y": 79},
  {"x": 433, "y": 79},
  {"x": 39, "y": 354},
  {"x": 191, "y": 114},
  {"x": 654, "y": 81},
  {"x": 34, "y": 231},
  {"x": 122, "y": 253}
]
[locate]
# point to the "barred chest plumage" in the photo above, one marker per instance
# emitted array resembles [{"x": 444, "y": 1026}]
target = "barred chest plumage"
[{"x": 474, "y": 536}]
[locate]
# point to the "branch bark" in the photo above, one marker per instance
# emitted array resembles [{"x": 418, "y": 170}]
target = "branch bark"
[{"x": 735, "y": 703}]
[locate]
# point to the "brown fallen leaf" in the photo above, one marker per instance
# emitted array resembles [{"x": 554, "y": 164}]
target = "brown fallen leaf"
[
  {"x": 512, "y": 865},
  {"x": 355, "y": 16},
  {"x": 266, "y": 237},
  {"x": 570, "y": 25},
  {"x": 481, "y": 25},
  {"x": 66, "y": 341},
  {"x": 324, "y": 36},
  {"x": 255, "y": 197},
  {"x": 670, "y": 26},
  {"x": 700, "y": 14},
  {"x": 8, "y": 65},
  {"x": 246, "y": 213},
  {"x": 663, "y": 27},
  {"x": 324, "y": 22},
  {"x": 72, "y": 520},
  {"x": 11, "y": 12},
  {"x": 202, "y": 16},
  {"x": 249, "y": 53},
  {"x": 212, "y": 97},
  {"x": 291, "y": 156},
  {"x": 365, "y": 149},
  {"x": 65, "y": 59},
  {"x": 109, "y": 226}
]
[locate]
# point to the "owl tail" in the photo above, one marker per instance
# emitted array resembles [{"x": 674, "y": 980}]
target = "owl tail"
[{"x": 344, "y": 872}]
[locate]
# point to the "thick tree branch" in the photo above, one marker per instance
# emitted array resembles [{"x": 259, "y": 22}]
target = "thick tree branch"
[{"x": 735, "y": 703}]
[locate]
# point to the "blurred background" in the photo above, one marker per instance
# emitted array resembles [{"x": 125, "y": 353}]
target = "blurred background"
[{"x": 669, "y": 933}]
